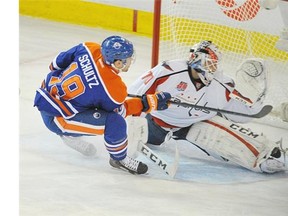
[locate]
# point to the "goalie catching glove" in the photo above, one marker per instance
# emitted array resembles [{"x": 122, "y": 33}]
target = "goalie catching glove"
[{"x": 157, "y": 101}]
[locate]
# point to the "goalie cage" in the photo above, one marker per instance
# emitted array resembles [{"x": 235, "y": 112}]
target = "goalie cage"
[{"x": 178, "y": 24}]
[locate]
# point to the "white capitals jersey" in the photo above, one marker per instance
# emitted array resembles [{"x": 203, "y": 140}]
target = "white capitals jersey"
[{"x": 174, "y": 77}]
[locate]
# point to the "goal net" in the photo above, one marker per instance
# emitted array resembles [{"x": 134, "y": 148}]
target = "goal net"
[{"x": 241, "y": 30}]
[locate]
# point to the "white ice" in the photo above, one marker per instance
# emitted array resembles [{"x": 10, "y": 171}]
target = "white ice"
[{"x": 55, "y": 180}]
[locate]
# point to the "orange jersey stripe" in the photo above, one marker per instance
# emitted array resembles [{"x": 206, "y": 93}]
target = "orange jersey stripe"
[
  {"x": 114, "y": 85},
  {"x": 119, "y": 148},
  {"x": 60, "y": 104},
  {"x": 77, "y": 128},
  {"x": 111, "y": 81},
  {"x": 95, "y": 49}
]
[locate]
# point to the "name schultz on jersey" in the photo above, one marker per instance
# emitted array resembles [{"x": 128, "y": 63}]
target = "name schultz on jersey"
[{"x": 88, "y": 71}]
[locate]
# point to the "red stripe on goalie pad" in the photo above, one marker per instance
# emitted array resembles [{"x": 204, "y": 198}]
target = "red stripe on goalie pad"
[{"x": 247, "y": 144}]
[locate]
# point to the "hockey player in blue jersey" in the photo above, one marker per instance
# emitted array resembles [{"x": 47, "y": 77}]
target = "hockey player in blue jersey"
[{"x": 84, "y": 95}]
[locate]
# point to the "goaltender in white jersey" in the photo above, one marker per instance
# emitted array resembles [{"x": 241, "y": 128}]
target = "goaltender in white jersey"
[{"x": 199, "y": 81}]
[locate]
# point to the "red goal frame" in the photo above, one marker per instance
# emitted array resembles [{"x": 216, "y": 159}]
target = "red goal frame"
[{"x": 156, "y": 32}]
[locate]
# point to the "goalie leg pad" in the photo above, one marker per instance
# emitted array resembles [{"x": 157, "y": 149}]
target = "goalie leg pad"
[
  {"x": 137, "y": 131},
  {"x": 231, "y": 141}
]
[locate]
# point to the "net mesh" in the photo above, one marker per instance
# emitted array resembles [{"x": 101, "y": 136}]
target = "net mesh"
[{"x": 231, "y": 27}]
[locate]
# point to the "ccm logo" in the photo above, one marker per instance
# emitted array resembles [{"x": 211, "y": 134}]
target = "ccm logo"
[
  {"x": 154, "y": 158},
  {"x": 243, "y": 130}
]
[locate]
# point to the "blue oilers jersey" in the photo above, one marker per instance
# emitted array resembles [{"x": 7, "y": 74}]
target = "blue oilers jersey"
[{"x": 79, "y": 81}]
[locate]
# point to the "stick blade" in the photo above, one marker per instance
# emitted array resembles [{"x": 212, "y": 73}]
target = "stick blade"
[
  {"x": 265, "y": 111},
  {"x": 168, "y": 168}
]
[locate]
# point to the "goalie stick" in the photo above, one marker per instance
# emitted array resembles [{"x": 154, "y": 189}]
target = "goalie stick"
[
  {"x": 168, "y": 168},
  {"x": 138, "y": 136},
  {"x": 263, "y": 112}
]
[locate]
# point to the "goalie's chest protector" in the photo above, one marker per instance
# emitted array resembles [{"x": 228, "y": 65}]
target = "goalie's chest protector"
[{"x": 183, "y": 89}]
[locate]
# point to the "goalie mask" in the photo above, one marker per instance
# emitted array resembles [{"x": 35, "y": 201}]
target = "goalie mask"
[{"x": 204, "y": 59}]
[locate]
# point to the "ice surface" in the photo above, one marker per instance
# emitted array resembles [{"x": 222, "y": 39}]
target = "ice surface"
[{"x": 56, "y": 180}]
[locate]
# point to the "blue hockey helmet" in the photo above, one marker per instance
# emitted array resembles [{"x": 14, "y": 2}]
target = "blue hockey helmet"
[{"x": 116, "y": 48}]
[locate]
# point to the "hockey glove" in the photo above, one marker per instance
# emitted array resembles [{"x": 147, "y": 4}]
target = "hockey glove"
[{"x": 157, "y": 101}]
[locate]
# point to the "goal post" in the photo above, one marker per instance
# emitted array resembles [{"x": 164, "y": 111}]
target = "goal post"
[
  {"x": 156, "y": 32},
  {"x": 240, "y": 28}
]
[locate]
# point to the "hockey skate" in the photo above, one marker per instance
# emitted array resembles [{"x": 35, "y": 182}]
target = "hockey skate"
[
  {"x": 80, "y": 145},
  {"x": 129, "y": 164},
  {"x": 276, "y": 162}
]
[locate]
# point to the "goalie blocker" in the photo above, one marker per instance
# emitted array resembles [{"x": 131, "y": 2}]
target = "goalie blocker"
[{"x": 237, "y": 144}]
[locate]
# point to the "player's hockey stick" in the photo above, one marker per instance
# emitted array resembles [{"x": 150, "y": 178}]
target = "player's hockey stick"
[
  {"x": 263, "y": 112},
  {"x": 168, "y": 168}
]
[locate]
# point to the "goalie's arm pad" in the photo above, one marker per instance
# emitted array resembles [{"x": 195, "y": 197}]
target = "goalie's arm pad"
[
  {"x": 237, "y": 106},
  {"x": 237, "y": 103},
  {"x": 236, "y": 95}
]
